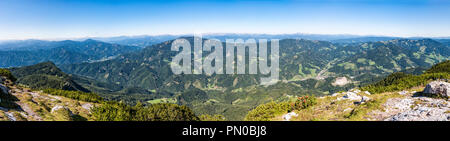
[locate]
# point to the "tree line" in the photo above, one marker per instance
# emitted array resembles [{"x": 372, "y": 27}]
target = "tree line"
[{"x": 400, "y": 81}]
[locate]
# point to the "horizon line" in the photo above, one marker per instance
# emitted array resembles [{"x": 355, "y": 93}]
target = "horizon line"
[{"x": 222, "y": 33}]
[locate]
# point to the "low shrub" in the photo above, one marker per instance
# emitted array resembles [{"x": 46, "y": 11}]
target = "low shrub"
[{"x": 304, "y": 102}]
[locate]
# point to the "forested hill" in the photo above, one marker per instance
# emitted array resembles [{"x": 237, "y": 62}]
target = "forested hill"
[
  {"x": 45, "y": 75},
  {"x": 48, "y": 76},
  {"x": 299, "y": 60},
  {"x": 60, "y": 52}
]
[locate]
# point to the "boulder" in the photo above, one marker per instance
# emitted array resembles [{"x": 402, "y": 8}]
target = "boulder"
[
  {"x": 439, "y": 88},
  {"x": 363, "y": 100},
  {"x": 351, "y": 96}
]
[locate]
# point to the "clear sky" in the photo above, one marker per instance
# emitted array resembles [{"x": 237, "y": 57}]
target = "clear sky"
[{"x": 55, "y": 19}]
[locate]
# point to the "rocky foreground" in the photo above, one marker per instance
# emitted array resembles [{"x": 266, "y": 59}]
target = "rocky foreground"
[
  {"x": 28, "y": 105},
  {"x": 428, "y": 103},
  {"x": 417, "y": 107}
]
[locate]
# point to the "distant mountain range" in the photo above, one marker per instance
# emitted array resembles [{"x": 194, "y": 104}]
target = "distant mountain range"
[{"x": 148, "y": 40}]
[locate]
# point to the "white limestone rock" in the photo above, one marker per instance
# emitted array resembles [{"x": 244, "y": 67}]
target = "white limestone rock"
[
  {"x": 288, "y": 116},
  {"x": 439, "y": 88}
]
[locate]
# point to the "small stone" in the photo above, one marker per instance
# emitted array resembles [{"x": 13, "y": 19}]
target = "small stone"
[
  {"x": 403, "y": 92},
  {"x": 288, "y": 116},
  {"x": 335, "y": 94},
  {"x": 348, "y": 109}
]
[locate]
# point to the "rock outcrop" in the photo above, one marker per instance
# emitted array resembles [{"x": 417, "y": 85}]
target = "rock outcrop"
[
  {"x": 352, "y": 95},
  {"x": 58, "y": 107},
  {"x": 439, "y": 88},
  {"x": 87, "y": 106},
  {"x": 420, "y": 109},
  {"x": 3, "y": 89},
  {"x": 422, "y": 114}
]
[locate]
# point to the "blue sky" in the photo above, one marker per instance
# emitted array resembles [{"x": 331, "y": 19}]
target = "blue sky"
[{"x": 58, "y": 19}]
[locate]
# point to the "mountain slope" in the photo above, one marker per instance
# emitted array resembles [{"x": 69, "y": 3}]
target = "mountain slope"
[
  {"x": 150, "y": 67},
  {"x": 63, "y": 52},
  {"x": 45, "y": 75},
  {"x": 48, "y": 76},
  {"x": 18, "y": 103},
  {"x": 382, "y": 58},
  {"x": 23, "y": 104},
  {"x": 389, "y": 99},
  {"x": 28, "y": 45},
  {"x": 300, "y": 60}
]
